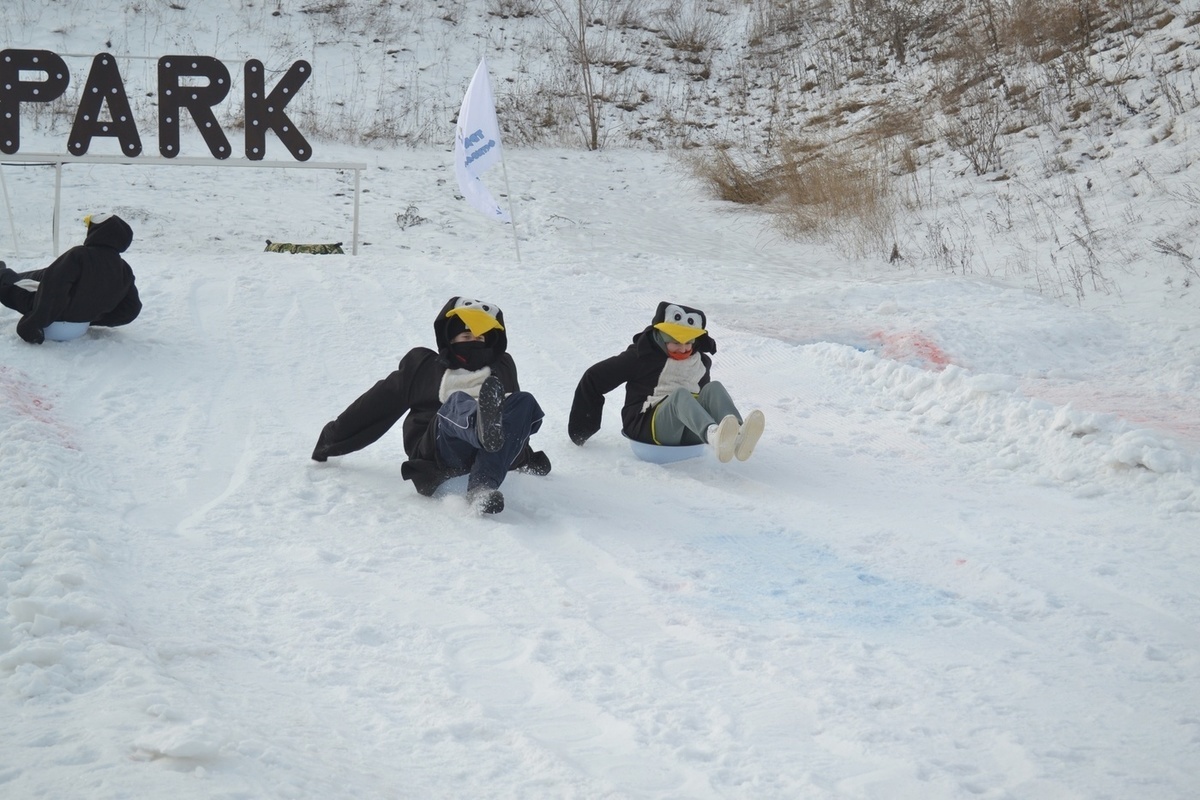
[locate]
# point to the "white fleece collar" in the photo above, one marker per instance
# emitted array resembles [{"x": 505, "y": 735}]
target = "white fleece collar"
[{"x": 461, "y": 380}]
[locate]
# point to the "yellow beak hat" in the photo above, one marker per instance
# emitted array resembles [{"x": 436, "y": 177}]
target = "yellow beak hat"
[
  {"x": 681, "y": 323},
  {"x": 479, "y": 317}
]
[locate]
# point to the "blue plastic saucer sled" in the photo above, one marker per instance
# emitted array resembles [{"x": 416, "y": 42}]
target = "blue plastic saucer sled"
[
  {"x": 64, "y": 331},
  {"x": 665, "y": 454}
]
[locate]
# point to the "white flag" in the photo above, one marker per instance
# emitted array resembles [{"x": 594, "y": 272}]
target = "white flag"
[{"x": 477, "y": 145}]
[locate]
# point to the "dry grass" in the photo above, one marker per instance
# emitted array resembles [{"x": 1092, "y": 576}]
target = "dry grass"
[
  {"x": 840, "y": 191},
  {"x": 692, "y": 29},
  {"x": 1046, "y": 28},
  {"x": 732, "y": 179}
]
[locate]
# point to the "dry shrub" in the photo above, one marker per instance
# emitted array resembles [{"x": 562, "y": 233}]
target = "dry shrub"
[
  {"x": 770, "y": 18},
  {"x": 692, "y": 29},
  {"x": 839, "y": 190},
  {"x": 626, "y": 15},
  {"x": 974, "y": 130},
  {"x": 896, "y": 120},
  {"x": 1045, "y": 28},
  {"x": 537, "y": 110},
  {"x": 733, "y": 180},
  {"x": 895, "y": 131}
]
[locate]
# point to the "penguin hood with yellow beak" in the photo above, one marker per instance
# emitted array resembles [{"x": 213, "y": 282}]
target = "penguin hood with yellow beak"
[
  {"x": 684, "y": 324},
  {"x": 464, "y": 313}
]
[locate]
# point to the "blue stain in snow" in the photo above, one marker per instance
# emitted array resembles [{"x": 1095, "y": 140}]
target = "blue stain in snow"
[{"x": 777, "y": 575}]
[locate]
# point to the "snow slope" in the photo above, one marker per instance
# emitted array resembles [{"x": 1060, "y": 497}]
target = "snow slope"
[
  {"x": 962, "y": 562},
  {"x": 951, "y": 569}
]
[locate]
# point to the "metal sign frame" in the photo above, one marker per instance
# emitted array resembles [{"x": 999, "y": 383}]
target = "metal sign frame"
[{"x": 57, "y": 161}]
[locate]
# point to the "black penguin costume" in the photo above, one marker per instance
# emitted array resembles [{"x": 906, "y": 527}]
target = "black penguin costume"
[
  {"x": 641, "y": 367},
  {"x": 414, "y": 388},
  {"x": 90, "y": 283}
]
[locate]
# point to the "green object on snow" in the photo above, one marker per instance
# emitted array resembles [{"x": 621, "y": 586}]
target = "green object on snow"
[{"x": 334, "y": 248}]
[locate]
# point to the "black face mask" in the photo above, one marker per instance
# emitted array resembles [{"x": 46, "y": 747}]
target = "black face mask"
[{"x": 470, "y": 355}]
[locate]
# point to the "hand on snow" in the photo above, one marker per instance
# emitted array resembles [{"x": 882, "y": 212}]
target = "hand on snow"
[{"x": 30, "y": 333}]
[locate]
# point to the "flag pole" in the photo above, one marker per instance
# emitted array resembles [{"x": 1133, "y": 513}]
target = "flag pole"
[{"x": 512, "y": 208}]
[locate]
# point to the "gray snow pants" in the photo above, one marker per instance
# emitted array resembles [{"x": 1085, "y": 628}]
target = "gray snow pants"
[{"x": 683, "y": 417}]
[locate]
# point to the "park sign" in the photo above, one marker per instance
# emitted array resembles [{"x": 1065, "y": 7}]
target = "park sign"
[{"x": 191, "y": 84}]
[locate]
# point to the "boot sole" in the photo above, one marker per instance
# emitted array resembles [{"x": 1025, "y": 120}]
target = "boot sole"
[
  {"x": 749, "y": 435},
  {"x": 489, "y": 424}
]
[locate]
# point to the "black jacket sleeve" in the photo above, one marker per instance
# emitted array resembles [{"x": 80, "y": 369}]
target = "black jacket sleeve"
[
  {"x": 587, "y": 408},
  {"x": 372, "y": 415}
]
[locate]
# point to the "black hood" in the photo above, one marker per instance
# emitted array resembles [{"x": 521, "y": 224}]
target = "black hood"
[
  {"x": 496, "y": 338},
  {"x": 112, "y": 232}
]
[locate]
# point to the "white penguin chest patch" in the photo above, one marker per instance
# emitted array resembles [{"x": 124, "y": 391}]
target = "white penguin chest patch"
[
  {"x": 461, "y": 380},
  {"x": 685, "y": 374}
]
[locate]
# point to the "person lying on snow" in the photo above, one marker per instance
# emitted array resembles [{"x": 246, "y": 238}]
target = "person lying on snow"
[
  {"x": 466, "y": 412},
  {"x": 670, "y": 398},
  {"x": 88, "y": 283}
]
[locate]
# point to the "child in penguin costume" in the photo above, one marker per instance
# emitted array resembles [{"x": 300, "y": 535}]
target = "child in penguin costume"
[
  {"x": 466, "y": 412},
  {"x": 670, "y": 397},
  {"x": 89, "y": 283}
]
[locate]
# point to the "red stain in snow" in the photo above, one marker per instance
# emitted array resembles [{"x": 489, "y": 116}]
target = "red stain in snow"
[
  {"x": 1171, "y": 412},
  {"x": 20, "y": 396},
  {"x": 911, "y": 346}
]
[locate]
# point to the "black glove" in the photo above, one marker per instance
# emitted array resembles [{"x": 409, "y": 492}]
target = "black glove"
[
  {"x": 538, "y": 463},
  {"x": 30, "y": 333},
  {"x": 321, "y": 451}
]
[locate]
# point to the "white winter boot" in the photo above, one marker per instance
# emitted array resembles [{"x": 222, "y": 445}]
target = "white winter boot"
[
  {"x": 722, "y": 437},
  {"x": 749, "y": 434}
]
